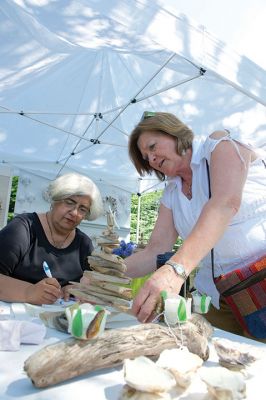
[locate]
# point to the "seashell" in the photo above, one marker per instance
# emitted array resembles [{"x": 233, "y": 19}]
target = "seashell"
[
  {"x": 56, "y": 320},
  {"x": 129, "y": 393},
  {"x": 95, "y": 325},
  {"x": 235, "y": 356},
  {"x": 223, "y": 384},
  {"x": 144, "y": 375},
  {"x": 181, "y": 363}
]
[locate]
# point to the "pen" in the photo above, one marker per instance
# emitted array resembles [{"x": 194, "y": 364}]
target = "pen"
[
  {"x": 47, "y": 269},
  {"x": 48, "y": 273}
]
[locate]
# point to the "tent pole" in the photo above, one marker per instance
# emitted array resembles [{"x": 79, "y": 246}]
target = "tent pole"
[
  {"x": 242, "y": 90},
  {"x": 138, "y": 218},
  {"x": 132, "y": 100}
]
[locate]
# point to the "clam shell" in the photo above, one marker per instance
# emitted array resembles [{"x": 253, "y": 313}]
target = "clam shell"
[
  {"x": 56, "y": 320},
  {"x": 235, "y": 354},
  {"x": 223, "y": 384},
  {"x": 181, "y": 363},
  {"x": 144, "y": 375},
  {"x": 129, "y": 393}
]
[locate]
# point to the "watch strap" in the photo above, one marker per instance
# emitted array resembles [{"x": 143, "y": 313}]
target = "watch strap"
[{"x": 178, "y": 268}]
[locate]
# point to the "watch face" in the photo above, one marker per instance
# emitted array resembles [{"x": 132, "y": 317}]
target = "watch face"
[{"x": 179, "y": 269}]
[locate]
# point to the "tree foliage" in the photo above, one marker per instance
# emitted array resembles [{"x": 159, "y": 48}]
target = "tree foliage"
[
  {"x": 13, "y": 194},
  {"x": 149, "y": 205}
]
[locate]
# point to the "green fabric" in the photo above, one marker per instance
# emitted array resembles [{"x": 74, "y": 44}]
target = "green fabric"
[{"x": 137, "y": 284}]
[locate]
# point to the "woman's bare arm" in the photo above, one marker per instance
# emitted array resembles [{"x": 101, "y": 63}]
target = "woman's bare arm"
[{"x": 47, "y": 291}]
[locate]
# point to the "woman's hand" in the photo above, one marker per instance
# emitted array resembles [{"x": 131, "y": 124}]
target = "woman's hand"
[
  {"x": 47, "y": 291},
  {"x": 85, "y": 281},
  {"x": 145, "y": 302},
  {"x": 66, "y": 295}
]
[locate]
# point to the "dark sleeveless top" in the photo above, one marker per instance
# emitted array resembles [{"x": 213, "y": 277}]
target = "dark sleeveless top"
[{"x": 24, "y": 247}]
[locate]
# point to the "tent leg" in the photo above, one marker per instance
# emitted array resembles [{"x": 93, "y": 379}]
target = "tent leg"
[{"x": 138, "y": 219}]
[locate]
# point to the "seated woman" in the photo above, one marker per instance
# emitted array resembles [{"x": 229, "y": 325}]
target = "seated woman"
[{"x": 31, "y": 239}]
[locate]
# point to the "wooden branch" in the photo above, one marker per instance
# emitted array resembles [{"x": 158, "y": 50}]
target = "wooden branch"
[
  {"x": 104, "y": 298},
  {"x": 67, "y": 359},
  {"x": 110, "y": 257},
  {"x": 96, "y": 276},
  {"x": 107, "y": 271},
  {"x": 96, "y": 261},
  {"x": 104, "y": 288}
]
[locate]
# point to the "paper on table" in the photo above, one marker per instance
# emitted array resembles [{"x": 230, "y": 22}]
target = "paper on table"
[
  {"x": 35, "y": 310},
  {"x": 13, "y": 333},
  {"x": 60, "y": 303},
  {"x": 4, "y": 310}
]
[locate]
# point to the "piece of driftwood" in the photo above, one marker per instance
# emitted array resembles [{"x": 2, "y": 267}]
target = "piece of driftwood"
[
  {"x": 96, "y": 276},
  {"x": 105, "y": 288},
  {"x": 70, "y": 358},
  {"x": 106, "y": 270},
  {"x": 100, "y": 299}
]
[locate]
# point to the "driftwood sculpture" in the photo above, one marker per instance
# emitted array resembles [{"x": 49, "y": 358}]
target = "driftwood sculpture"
[
  {"x": 105, "y": 283},
  {"x": 70, "y": 358}
]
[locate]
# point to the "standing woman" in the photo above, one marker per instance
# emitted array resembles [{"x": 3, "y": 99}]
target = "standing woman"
[
  {"x": 232, "y": 220},
  {"x": 31, "y": 239}
]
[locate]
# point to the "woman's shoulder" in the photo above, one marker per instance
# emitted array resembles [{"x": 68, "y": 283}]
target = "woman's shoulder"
[
  {"x": 25, "y": 216},
  {"x": 20, "y": 227},
  {"x": 84, "y": 241},
  {"x": 83, "y": 236},
  {"x": 27, "y": 219},
  {"x": 209, "y": 143},
  {"x": 219, "y": 134}
]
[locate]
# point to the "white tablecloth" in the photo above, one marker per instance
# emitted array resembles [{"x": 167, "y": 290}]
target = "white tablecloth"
[{"x": 99, "y": 385}]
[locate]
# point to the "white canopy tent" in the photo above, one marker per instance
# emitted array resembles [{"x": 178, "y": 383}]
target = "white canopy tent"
[{"x": 76, "y": 75}]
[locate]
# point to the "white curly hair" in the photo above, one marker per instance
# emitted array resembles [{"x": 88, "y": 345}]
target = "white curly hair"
[{"x": 73, "y": 184}]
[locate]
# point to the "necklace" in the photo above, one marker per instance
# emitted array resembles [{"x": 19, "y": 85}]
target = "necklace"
[
  {"x": 56, "y": 244},
  {"x": 188, "y": 192}
]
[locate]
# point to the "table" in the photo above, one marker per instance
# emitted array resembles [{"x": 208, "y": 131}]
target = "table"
[{"x": 99, "y": 385}]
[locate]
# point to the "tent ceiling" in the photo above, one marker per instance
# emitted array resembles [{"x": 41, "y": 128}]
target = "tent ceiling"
[{"x": 76, "y": 76}]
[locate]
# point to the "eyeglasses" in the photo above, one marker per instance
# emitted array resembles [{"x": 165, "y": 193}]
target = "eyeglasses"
[
  {"x": 147, "y": 114},
  {"x": 71, "y": 204}
]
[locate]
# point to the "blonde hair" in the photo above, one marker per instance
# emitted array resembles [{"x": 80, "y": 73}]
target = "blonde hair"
[
  {"x": 73, "y": 184},
  {"x": 163, "y": 123}
]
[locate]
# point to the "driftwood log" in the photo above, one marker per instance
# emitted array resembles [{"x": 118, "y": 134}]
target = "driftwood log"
[{"x": 70, "y": 358}]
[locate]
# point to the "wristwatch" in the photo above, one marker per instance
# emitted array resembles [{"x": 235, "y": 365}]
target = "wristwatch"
[{"x": 178, "y": 268}]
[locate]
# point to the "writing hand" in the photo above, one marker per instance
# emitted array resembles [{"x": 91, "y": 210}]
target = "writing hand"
[{"x": 47, "y": 291}]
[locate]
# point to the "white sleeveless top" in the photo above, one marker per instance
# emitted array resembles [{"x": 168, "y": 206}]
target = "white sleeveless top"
[{"x": 244, "y": 241}]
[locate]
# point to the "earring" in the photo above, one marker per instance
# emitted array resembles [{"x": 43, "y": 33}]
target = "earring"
[{"x": 183, "y": 153}]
